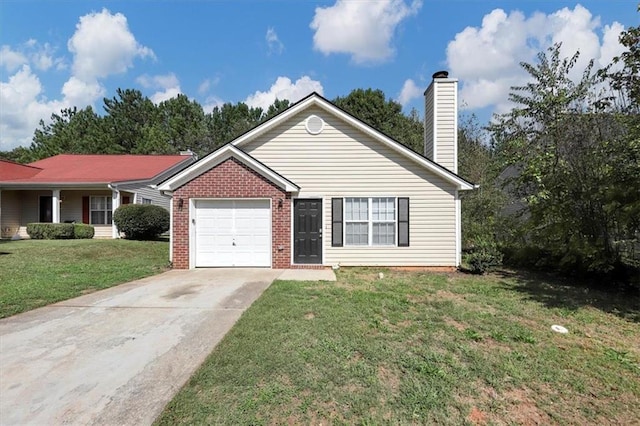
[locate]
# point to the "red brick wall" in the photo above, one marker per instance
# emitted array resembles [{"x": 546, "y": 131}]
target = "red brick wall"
[{"x": 232, "y": 179}]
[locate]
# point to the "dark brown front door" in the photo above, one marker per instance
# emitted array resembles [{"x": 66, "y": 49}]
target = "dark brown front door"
[
  {"x": 46, "y": 208},
  {"x": 307, "y": 231}
]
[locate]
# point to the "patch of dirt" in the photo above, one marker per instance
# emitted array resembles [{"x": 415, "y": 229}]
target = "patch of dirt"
[
  {"x": 309, "y": 316},
  {"x": 357, "y": 356},
  {"x": 492, "y": 344},
  {"x": 404, "y": 324},
  {"x": 389, "y": 378},
  {"x": 522, "y": 408},
  {"x": 477, "y": 417},
  {"x": 455, "y": 324},
  {"x": 448, "y": 295}
]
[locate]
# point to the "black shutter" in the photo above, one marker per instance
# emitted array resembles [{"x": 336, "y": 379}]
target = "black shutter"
[
  {"x": 403, "y": 222},
  {"x": 336, "y": 222}
]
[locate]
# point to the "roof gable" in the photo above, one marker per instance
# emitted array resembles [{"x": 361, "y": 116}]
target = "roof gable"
[
  {"x": 315, "y": 100},
  {"x": 219, "y": 156}
]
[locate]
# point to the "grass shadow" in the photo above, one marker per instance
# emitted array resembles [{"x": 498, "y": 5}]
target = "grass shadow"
[{"x": 553, "y": 291}]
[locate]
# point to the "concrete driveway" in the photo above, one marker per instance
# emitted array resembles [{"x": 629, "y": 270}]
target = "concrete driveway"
[{"x": 119, "y": 355}]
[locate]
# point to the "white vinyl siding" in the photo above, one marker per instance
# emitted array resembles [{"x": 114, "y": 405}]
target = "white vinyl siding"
[
  {"x": 344, "y": 162},
  {"x": 145, "y": 192},
  {"x": 429, "y": 130},
  {"x": 10, "y": 213},
  {"x": 441, "y": 123}
]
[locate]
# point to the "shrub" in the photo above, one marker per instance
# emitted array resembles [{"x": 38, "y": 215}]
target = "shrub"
[
  {"x": 141, "y": 221},
  {"x": 82, "y": 231},
  {"x": 50, "y": 231},
  {"x": 483, "y": 256}
]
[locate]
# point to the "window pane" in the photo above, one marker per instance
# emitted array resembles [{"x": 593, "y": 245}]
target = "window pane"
[
  {"x": 97, "y": 217},
  {"x": 356, "y": 209},
  {"x": 109, "y": 219},
  {"x": 97, "y": 203},
  {"x": 384, "y": 233},
  {"x": 108, "y": 202},
  {"x": 357, "y": 234},
  {"x": 383, "y": 209}
]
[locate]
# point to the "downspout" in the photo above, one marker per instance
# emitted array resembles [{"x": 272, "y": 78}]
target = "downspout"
[{"x": 458, "y": 229}]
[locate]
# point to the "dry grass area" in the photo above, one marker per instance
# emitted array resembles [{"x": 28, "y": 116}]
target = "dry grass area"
[{"x": 418, "y": 347}]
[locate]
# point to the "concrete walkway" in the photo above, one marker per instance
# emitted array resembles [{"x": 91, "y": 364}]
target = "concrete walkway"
[{"x": 119, "y": 355}]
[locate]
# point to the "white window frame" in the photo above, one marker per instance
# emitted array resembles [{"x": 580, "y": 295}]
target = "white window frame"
[
  {"x": 146, "y": 200},
  {"x": 370, "y": 221},
  {"x": 106, "y": 210}
]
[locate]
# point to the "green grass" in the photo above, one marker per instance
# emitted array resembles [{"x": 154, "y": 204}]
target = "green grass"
[
  {"x": 35, "y": 273},
  {"x": 415, "y": 348}
]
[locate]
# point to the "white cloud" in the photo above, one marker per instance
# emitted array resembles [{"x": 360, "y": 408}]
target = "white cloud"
[
  {"x": 103, "y": 45},
  {"x": 611, "y": 46},
  {"x": 410, "y": 91},
  {"x": 204, "y": 86},
  {"x": 168, "y": 86},
  {"x": 22, "y": 108},
  {"x": 210, "y": 103},
  {"x": 362, "y": 29},
  {"x": 273, "y": 42},
  {"x": 80, "y": 93},
  {"x": 11, "y": 59},
  {"x": 282, "y": 89},
  {"x": 486, "y": 58}
]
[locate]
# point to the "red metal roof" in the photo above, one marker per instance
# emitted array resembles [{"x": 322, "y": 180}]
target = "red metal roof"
[
  {"x": 78, "y": 168},
  {"x": 11, "y": 170}
]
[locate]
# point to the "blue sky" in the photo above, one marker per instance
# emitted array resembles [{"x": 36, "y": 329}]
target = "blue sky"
[{"x": 59, "y": 54}]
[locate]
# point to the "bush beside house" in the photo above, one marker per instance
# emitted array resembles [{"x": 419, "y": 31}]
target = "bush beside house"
[
  {"x": 82, "y": 231},
  {"x": 141, "y": 221},
  {"x": 59, "y": 231},
  {"x": 50, "y": 231}
]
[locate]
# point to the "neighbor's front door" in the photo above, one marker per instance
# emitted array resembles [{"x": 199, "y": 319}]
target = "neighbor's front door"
[
  {"x": 46, "y": 208},
  {"x": 307, "y": 231}
]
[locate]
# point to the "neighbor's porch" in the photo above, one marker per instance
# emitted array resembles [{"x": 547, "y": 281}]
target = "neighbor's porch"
[{"x": 94, "y": 206}]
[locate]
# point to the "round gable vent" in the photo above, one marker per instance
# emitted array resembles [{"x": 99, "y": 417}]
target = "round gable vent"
[{"x": 314, "y": 124}]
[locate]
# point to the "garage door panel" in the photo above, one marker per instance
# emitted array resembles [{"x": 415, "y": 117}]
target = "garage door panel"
[{"x": 232, "y": 233}]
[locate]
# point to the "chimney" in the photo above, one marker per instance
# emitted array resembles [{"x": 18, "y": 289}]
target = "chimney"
[{"x": 441, "y": 121}]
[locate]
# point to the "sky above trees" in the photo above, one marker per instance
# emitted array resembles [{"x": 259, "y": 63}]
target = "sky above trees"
[{"x": 55, "y": 55}]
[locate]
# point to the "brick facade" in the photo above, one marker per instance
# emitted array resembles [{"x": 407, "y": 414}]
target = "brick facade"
[{"x": 232, "y": 179}]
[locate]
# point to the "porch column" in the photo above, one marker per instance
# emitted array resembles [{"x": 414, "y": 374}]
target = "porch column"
[
  {"x": 55, "y": 205},
  {"x": 115, "y": 203}
]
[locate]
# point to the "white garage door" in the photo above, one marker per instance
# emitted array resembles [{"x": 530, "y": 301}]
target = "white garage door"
[{"x": 232, "y": 233}]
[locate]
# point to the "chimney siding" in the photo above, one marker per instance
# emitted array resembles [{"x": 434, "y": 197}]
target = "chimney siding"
[
  {"x": 429, "y": 130},
  {"x": 441, "y": 123}
]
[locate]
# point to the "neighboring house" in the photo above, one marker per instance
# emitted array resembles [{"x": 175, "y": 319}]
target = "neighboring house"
[
  {"x": 316, "y": 187},
  {"x": 81, "y": 188}
]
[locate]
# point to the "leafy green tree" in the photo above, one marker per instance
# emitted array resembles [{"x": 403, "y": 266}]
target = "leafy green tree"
[
  {"x": 276, "y": 108},
  {"x": 127, "y": 115},
  {"x": 563, "y": 149},
  {"x": 372, "y": 107},
  {"x": 71, "y": 131},
  {"x": 481, "y": 209},
  {"x": 230, "y": 121}
]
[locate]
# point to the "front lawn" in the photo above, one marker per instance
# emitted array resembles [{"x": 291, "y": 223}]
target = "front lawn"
[
  {"x": 415, "y": 348},
  {"x": 35, "y": 273}
]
